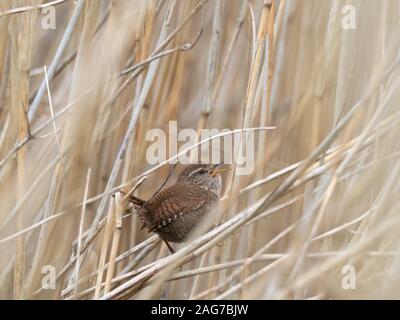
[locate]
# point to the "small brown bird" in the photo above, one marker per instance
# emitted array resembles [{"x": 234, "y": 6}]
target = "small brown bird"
[{"x": 176, "y": 211}]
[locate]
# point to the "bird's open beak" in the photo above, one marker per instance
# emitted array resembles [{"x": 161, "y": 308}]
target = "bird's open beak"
[{"x": 219, "y": 168}]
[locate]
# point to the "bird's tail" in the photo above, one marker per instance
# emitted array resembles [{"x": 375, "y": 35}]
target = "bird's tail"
[
  {"x": 136, "y": 201},
  {"x": 137, "y": 204}
]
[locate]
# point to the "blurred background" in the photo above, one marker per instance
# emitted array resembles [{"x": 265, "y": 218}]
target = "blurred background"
[{"x": 82, "y": 82}]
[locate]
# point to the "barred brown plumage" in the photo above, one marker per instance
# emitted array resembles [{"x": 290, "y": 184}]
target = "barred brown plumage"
[{"x": 175, "y": 212}]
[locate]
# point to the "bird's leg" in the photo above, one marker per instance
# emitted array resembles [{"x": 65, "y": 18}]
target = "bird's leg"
[
  {"x": 172, "y": 252},
  {"x": 169, "y": 247}
]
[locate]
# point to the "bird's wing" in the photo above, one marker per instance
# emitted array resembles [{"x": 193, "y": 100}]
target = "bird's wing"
[{"x": 170, "y": 204}]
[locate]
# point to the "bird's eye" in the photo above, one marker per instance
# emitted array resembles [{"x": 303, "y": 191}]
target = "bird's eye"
[{"x": 202, "y": 171}]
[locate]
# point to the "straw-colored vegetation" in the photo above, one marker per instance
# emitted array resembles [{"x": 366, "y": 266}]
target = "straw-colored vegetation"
[{"x": 76, "y": 102}]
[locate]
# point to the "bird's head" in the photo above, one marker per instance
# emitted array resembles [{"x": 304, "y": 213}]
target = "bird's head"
[{"x": 207, "y": 176}]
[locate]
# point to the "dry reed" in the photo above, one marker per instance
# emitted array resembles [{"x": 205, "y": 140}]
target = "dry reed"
[{"x": 77, "y": 101}]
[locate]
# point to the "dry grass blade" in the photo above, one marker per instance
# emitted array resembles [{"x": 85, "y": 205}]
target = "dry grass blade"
[{"x": 31, "y": 7}]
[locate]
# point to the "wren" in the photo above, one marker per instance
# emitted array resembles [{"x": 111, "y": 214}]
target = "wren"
[{"x": 175, "y": 212}]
